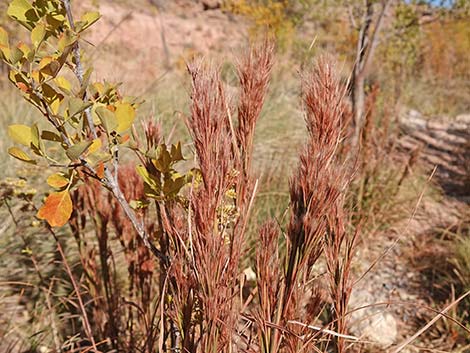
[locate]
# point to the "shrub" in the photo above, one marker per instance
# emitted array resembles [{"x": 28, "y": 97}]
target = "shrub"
[{"x": 270, "y": 16}]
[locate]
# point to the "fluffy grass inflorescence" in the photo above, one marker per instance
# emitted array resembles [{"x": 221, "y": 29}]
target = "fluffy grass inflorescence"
[
  {"x": 316, "y": 228},
  {"x": 194, "y": 296}
]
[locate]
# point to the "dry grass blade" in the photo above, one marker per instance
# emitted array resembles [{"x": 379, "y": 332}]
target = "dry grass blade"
[
  {"x": 397, "y": 240},
  {"x": 330, "y": 332},
  {"x": 430, "y": 323}
]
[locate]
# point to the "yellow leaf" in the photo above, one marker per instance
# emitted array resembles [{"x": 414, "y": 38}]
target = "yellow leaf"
[
  {"x": 36, "y": 76},
  {"x": 45, "y": 61},
  {"x": 57, "y": 209},
  {"x": 95, "y": 146},
  {"x": 37, "y": 34},
  {"x": 55, "y": 106},
  {"x": 107, "y": 118},
  {"x": 20, "y": 154},
  {"x": 57, "y": 181},
  {"x": 125, "y": 115},
  {"x": 20, "y": 134},
  {"x": 63, "y": 83},
  {"x": 4, "y": 38},
  {"x": 99, "y": 87},
  {"x": 24, "y": 49},
  {"x": 49, "y": 66}
]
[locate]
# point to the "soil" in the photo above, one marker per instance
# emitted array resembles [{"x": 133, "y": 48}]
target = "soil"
[
  {"x": 410, "y": 277},
  {"x": 137, "y": 42}
]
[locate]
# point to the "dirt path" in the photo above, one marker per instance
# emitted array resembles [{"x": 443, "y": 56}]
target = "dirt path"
[
  {"x": 445, "y": 145},
  {"x": 405, "y": 277}
]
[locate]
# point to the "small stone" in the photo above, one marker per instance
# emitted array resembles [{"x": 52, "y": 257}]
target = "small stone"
[
  {"x": 414, "y": 114},
  {"x": 211, "y": 4},
  {"x": 382, "y": 330}
]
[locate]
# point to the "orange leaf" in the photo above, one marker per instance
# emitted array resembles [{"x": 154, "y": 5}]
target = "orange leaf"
[
  {"x": 100, "y": 170},
  {"x": 148, "y": 266},
  {"x": 22, "y": 87},
  {"x": 57, "y": 209}
]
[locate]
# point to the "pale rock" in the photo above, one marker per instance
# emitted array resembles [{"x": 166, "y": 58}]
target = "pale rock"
[
  {"x": 382, "y": 330},
  {"x": 463, "y": 118},
  {"x": 372, "y": 323},
  {"x": 414, "y": 114},
  {"x": 413, "y": 119}
]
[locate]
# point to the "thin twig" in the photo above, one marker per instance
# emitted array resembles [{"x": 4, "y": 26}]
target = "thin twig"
[{"x": 110, "y": 182}]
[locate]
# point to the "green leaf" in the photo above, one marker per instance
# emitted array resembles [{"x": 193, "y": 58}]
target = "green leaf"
[
  {"x": 151, "y": 183},
  {"x": 78, "y": 149},
  {"x": 20, "y": 134},
  {"x": 172, "y": 187},
  {"x": 76, "y": 106},
  {"x": 88, "y": 19},
  {"x": 36, "y": 143},
  {"x": 50, "y": 136},
  {"x": 98, "y": 157},
  {"x": 66, "y": 39},
  {"x": 107, "y": 118},
  {"x": 15, "y": 55},
  {"x": 22, "y": 11},
  {"x": 64, "y": 84},
  {"x": 163, "y": 161},
  {"x": 37, "y": 34},
  {"x": 85, "y": 82},
  {"x": 142, "y": 171},
  {"x": 139, "y": 204},
  {"x": 125, "y": 115},
  {"x": 18, "y": 9},
  {"x": 20, "y": 154},
  {"x": 176, "y": 154},
  {"x": 150, "y": 192},
  {"x": 55, "y": 20}
]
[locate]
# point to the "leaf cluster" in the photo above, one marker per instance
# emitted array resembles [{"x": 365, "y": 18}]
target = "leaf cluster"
[{"x": 87, "y": 122}]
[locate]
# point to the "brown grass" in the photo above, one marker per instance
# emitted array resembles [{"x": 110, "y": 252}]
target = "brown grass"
[{"x": 194, "y": 297}]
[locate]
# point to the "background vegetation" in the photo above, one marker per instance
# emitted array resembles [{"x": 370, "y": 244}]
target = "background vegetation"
[{"x": 93, "y": 285}]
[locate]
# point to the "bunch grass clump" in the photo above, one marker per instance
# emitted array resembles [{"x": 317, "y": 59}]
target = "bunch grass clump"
[{"x": 156, "y": 262}]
